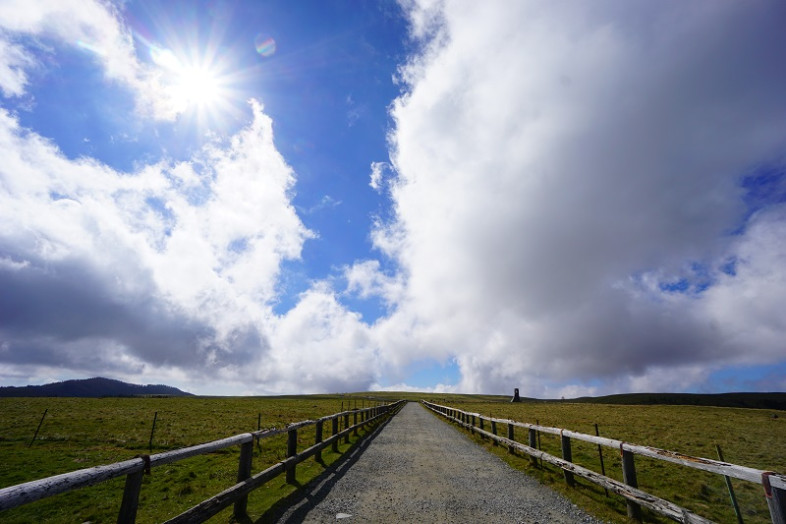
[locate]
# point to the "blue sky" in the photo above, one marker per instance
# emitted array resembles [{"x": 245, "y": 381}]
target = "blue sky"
[{"x": 271, "y": 197}]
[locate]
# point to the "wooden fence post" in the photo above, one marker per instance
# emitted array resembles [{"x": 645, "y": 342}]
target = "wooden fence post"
[
  {"x": 567, "y": 454},
  {"x": 334, "y": 422},
  {"x": 130, "y": 503},
  {"x": 317, "y": 440},
  {"x": 776, "y": 500},
  {"x": 629, "y": 477},
  {"x": 533, "y": 443},
  {"x": 511, "y": 449},
  {"x": 291, "y": 452},
  {"x": 600, "y": 456},
  {"x": 346, "y": 425},
  {"x": 472, "y": 424},
  {"x": 355, "y": 422},
  {"x": 494, "y": 431},
  {"x": 244, "y": 472}
]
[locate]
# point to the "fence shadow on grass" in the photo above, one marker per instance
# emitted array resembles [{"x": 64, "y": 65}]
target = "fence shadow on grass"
[{"x": 294, "y": 508}]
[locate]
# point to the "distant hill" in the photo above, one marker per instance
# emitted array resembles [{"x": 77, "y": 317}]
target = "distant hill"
[
  {"x": 91, "y": 387},
  {"x": 725, "y": 400}
]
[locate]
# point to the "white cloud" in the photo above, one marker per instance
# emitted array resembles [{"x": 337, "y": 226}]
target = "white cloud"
[
  {"x": 13, "y": 61},
  {"x": 320, "y": 346},
  {"x": 551, "y": 167},
  {"x": 550, "y": 157},
  {"x": 378, "y": 170},
  {"x": 367, "y": 280},
  {"x": 127, "y": 272}
]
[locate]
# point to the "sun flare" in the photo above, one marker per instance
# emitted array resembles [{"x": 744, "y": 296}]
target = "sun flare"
[{"x": 198, "y": 86}]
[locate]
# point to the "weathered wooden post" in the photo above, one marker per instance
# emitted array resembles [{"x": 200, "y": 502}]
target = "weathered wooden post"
[
  {"x": 130, "y": 503},
  {"x": 776, "y": 499},
  {"x": 533, "y": 443},
  {"x": 355, "y": 422},
  {"x": 629, "y": 477},
  {"x": 567, "y": 454},
  {"x": 511, "y": 449},
  {"x": 317, "y": 440},
  {"x": 537, "y": 423},
  {"x": 334, "y": 421},
  {"x": 494, "y": 431},
  {"x": 291, "y": 452},
  {"x": 480, "y": 419},
  {"x": 600, "y": 456},
  {"x": 472, "y": 426},
  {"x": 244, "y": 472},
  {"x": 346, "y": 425}
]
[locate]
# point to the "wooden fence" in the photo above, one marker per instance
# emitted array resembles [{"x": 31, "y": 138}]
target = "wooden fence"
[
  {"x": 135, "y": 468},
  {"x": 774, "y": 485}
]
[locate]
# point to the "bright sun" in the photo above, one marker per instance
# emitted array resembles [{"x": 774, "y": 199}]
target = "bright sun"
[
  {"x": 197, "y": 86},
  {"x": 190, "y": 86}
]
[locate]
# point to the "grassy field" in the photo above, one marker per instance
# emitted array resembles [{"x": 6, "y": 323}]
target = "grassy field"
[
  {"x": 748, "y": 437},
  {"x": 79, "y": 433}
]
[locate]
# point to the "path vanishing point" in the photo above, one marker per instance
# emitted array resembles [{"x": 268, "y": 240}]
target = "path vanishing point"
[{"x": 417, "y": 468}]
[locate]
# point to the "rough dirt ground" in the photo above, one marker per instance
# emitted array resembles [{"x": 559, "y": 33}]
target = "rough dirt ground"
[{"x": 420, "y": 469}]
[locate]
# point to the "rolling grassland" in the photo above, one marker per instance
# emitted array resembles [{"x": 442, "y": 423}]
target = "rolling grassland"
[
  {"x": 749, "y": 437},
  {"x": 80, "y": 433}
]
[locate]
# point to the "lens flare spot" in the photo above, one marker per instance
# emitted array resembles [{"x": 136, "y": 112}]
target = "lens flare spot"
[{"x": 265, "y": 45}]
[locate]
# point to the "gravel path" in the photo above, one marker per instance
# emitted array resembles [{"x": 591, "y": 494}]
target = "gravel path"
[{"x": 420, "y": 469}]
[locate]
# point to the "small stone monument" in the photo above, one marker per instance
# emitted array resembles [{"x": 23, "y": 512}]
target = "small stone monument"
[{"x": 516, "y": 397}]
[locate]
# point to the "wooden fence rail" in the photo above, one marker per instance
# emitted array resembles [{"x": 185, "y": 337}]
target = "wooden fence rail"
[
  {"x": 774, "y": 484},
  {"x": 134, "y": 469}
]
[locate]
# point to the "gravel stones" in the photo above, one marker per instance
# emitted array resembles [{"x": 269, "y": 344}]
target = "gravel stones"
[{"x": 420, "y": 469}]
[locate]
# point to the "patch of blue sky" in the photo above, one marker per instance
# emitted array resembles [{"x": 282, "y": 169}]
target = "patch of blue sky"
[
  {"x": 77, "y": 109},
  {"x": 729, "y": 266},
  {"x": 238, "y": 245},
  {"x": 763, "y": 188},
  {"x": 370, "y": 308},
  {"x": 54, "y": 195},
  {"x": 677, "y": 286},
  {"x": 428, "y": 373},
  {"x": 761, "y": 377},
  {"x": 292, "y": 282},
  {"x": 698, "y": 279}
]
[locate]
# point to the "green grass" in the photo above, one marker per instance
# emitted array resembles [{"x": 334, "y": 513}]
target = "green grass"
[
  {"x": 80, "y": 433},
  {"x": 748, "y": 437}
]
